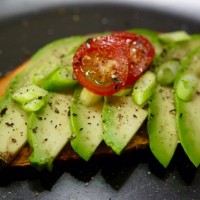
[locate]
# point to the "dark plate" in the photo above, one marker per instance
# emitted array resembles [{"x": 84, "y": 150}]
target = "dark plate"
[{"x": 136, "y": 175}]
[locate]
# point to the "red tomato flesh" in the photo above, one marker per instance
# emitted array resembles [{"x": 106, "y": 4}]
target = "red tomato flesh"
[
  {"x": 141, "y": 54},
  {"x": 101, "y": 64}
]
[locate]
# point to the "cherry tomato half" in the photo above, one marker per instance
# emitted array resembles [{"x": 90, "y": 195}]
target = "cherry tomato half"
[
  {"x": 141, "y": 54},
  {"x": 101, "y": 64}
]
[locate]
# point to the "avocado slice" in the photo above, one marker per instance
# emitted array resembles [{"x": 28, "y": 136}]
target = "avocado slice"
[
  {"x": 28, "y": 93},
  {"x": 13, "y": 125},
  {"x": 121, "y": 120},
  {"x": 60, "y": 81},
  {"x": 49, "y": 130},
  {"x": 31, "y": 98},
  {"x": 178, "y": 51},
  {"x": 161, "y": 125},
  {"x": 188, "y": 112},
  {"x": 86, "y": 124},
  {"x": 50, "y": 58},
  {"x": 144, "y": 88},
  {"x": 13, "y": 131}
]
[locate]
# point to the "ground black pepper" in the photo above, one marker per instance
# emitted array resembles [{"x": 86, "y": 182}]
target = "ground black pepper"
[
  {"x": 3, "y": 111},
  {"x": 35, "y": 130},
  {"x": 10, "y": 124}
]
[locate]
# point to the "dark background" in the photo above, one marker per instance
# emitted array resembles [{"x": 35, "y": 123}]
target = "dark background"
[{"x": 135, "y": 175}]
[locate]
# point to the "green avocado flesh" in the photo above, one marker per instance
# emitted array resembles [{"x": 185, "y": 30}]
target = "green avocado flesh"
[
  {"x": 161, "y": 126},
  {"x": 121, "y": 120},
  {"x": 46, "y": 107},
  {"x": 188, "y": 112},
  {"x": 49, "y": 130},
  {"x": 86, "y": 124},
  {"x": 13, "y": 131}
]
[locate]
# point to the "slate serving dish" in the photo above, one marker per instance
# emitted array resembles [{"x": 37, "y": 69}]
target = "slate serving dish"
[{"x": 135, "y": 175}]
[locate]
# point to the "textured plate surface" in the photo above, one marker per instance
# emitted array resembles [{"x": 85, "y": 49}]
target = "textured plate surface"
[{"x": 135, "y": 175}]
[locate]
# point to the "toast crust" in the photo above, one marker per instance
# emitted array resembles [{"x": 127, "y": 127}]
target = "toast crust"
[{"x": 139, "y": 141}]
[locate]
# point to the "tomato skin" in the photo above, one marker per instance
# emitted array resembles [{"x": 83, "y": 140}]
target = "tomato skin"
[
  {"x": 141, "y": 54},
  {"x": 101, "y": 64}
]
